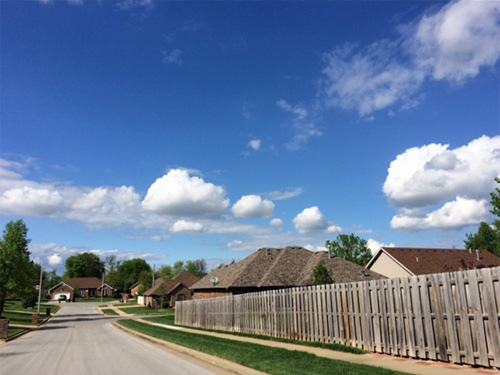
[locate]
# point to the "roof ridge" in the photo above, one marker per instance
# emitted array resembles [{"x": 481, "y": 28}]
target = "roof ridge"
[
  {"x": 273, "y": 266},
  {"x": 250, "y": 259}
]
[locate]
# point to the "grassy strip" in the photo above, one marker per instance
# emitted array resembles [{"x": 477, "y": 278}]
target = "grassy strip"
[
  {"x": 337, "y": 347},
  {"x": 146, "y": 311},
  {"x": 15, "y": 305},
  {"x": 15, "y": 331},
  {"x": 109, "y": 312},
  {"x": 275, "y": 361}
]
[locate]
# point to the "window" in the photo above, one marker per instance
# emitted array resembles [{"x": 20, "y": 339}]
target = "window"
[
  {"x": 105, "y": 293},
  {"x": 181, "y": 297}
]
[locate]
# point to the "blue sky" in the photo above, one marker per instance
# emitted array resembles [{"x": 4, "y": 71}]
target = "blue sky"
[{"x": 185, "y": 130}]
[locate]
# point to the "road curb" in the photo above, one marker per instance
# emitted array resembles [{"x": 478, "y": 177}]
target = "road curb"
[{"x": 224, "y": 364}]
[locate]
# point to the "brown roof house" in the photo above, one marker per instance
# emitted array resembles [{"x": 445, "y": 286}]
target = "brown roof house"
[
  {"x": 403, "y": 262},
  {"x": 271, "y": 268},
  {"x": 170, "y": 291},
  {"x": 87, "y": 287}
]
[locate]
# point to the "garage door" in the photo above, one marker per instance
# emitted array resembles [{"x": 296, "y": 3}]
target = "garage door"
[{"x": 57, "y": 295}]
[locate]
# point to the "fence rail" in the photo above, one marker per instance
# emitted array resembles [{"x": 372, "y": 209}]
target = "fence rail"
[{"x": 450, "y": 317}]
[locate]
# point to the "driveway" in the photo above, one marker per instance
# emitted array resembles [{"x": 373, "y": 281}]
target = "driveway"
[{"x": 79, "y": 341}]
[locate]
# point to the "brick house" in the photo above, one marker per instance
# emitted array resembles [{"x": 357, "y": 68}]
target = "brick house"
[
  {"x": 89, "y": 287},
  {"x": 271, "y": 268},
  {"x": 176, "y": 289}
]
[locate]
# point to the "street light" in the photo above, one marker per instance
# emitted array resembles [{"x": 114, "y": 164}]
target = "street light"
[{"x": 40, "y": 288}]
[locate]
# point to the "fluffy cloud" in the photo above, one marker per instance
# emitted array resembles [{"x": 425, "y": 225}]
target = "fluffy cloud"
[
  {"x": 186, "y": 226},
  {"x": 179, "y": 194},
  {"x": 459, "y": 213},
  {"x": 255, "y": 144},
  {"x": 453, "y": 43},
  {"x": 55, "y": 259},
  {"x": 276, "y": 222},
  {"x": 459, "y": 180},
  {"x": 253, "y": 207},
  {"x": 375, "y": 246},
  {"x": 310, "y": 220},
  {"x": 30, "y": 201},
  {"x": 333, "y": 229},
  {"x": 458, "y": 40},
  {"x": 427, "y": 175}
]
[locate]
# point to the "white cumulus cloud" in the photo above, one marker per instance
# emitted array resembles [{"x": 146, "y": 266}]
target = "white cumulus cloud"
[
  {"x": 186, "y": 226},
  {"x": 276, "y": 222},
  {"x": 310, "y": 220},
  {"x": 179, "y": 194},
  {"x": 456, "y": 214},
  {"x": 375, "y": 245},
  {"x": 55, "y": 259},
  {"x": 253, "y": 207},
  {"x": 453, "y": 183}
]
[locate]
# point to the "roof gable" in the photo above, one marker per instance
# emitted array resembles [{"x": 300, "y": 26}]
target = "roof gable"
[{"x": 167, "y": 286}]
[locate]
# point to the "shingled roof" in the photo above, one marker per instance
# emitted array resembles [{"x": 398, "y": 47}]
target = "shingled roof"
[
  {"x": 168, "y": 286},
  {"x": 287, "y": 267},
  {"x": 427, "y": 261}
]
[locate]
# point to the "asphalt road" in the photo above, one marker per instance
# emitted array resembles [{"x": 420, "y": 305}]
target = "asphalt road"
[{"x": 79, "y": 341}]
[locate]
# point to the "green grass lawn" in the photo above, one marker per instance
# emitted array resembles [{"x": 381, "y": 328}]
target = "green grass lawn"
[
  {"x": 337, "y": 347},
  {"x": 22, "y": 318},
  {"x": 275, "y": 361},
  {"x": 142, "y": 310},
  {"x": 15, "y": 331},
  {"x": 16, "y": 305},
  {"x": 109, "y": 312}
]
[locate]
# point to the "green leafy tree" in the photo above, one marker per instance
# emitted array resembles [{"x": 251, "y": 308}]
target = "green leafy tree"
[
  {"x": 114, "y": 279},
  {"x": 17, "y": 271},
  {"x": 166, "y": 272},
  {"x": 178, "y": 268},
  {"x": 84, "y": 265},
  {"x": 487, "y": 236},
  {"x": 145, "y": 279},
  {"x": 322, "y": 275},
  {"x": 130, "y": 270},
  {"x": 351, "y": 248},
  {"x": 197, "y": 267}
]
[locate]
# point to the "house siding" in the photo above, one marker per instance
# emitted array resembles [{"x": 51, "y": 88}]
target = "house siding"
[{"x": 387, "y": 267}]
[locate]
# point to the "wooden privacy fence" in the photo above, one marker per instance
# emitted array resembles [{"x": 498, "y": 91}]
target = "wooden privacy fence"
[{"x": 451, "y": 317}]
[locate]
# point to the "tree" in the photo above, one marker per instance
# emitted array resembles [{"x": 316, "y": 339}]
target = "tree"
[
  {"x": 166, "y": 272},
  {"x": 84, "y": 265},
  {"x": 487, "y": 236},
  {"x": 178, "y": 268},
  {"x": 197, "y": 267},
  {"x": 145, "y": 279},
  {"x": 351, "y": 248},
  {"x": 16, "y": 268},
  {"x": 322, "y": 275},
  {"x": 130, "y": 270}
]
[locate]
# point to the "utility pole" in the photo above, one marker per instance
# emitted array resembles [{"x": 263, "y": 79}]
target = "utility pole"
[
  {"x": 40, "y": 288},
  {"x": 154, "y": 267}
]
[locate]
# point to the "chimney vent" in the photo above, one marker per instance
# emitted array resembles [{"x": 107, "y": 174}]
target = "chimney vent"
[{"x": 477, "y": 256}]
